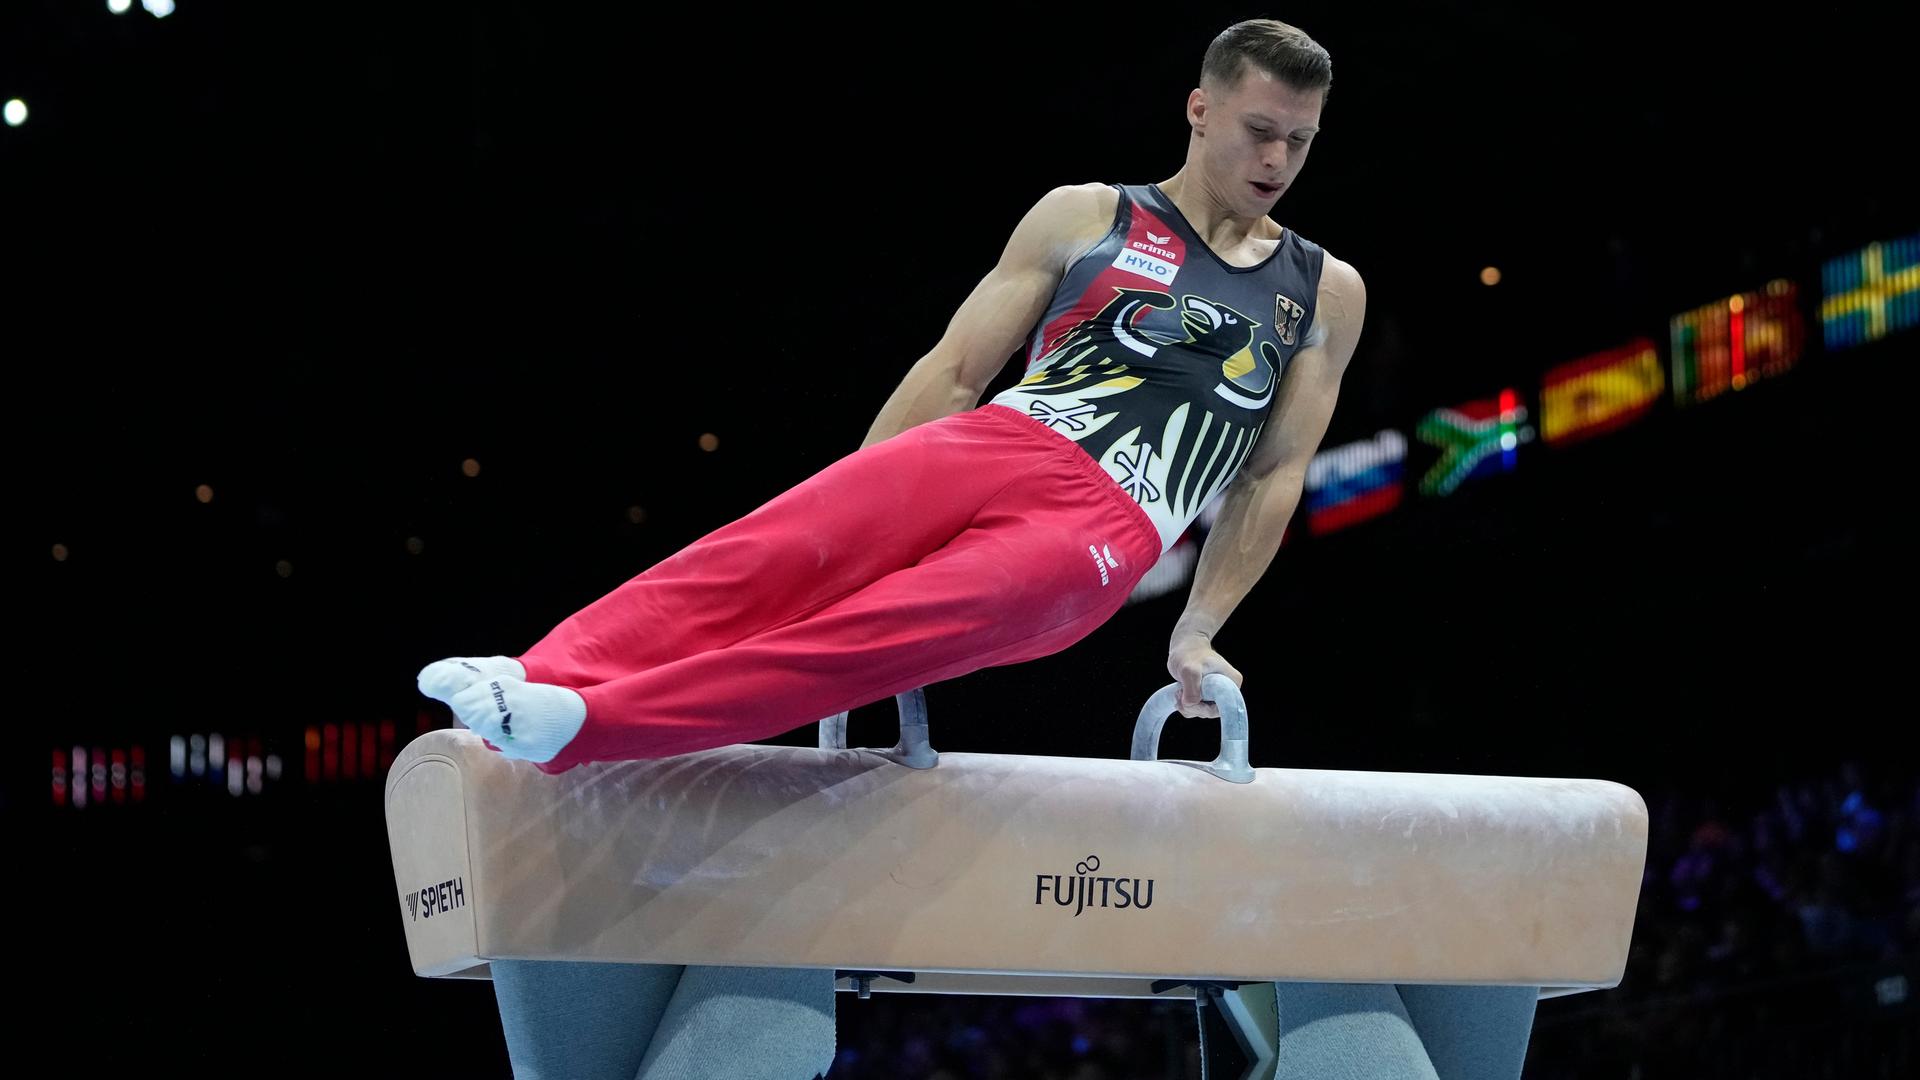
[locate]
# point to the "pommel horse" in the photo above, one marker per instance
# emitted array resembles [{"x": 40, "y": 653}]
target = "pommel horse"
[{"x": 910, "y": 871}]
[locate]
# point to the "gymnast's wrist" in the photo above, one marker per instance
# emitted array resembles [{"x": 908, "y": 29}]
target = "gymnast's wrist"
[{"x": 1182, "y": 630}]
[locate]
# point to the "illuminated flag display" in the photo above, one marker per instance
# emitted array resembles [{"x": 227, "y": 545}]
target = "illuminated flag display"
[
  {"x": 1351, "y": 483},
  {"x": 1729, "y": 343},
  {"x": 1600, "y": 393},
  {"x": 1871, "y": 293},
  {"x": 1478, "y": 438}
]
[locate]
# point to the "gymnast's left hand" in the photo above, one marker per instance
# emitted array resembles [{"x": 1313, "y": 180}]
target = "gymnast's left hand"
[{"x": 1189, "y": 658}]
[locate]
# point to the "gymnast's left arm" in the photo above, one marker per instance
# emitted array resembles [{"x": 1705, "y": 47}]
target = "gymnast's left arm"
[{"x": 1263, "y": 495}]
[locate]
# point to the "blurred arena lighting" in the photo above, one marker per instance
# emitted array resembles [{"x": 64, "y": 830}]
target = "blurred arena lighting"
[
  {"x": 16, "y": 112},
  {"x": 160, "y": 9},
  {"x": 119, "y": 7}
]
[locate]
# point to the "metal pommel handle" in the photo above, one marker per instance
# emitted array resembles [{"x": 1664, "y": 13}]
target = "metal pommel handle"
[
  {"x": 1231, "y": 765},
  {"x": 913, "y": 750}
]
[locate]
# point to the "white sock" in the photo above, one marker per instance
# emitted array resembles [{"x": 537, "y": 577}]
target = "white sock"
[
  {"x": 529, "y": 721},
  {"x": 442, "y": 679}
]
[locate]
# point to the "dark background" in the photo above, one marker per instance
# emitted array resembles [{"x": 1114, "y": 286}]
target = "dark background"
[{"x": 317, "y": 256}]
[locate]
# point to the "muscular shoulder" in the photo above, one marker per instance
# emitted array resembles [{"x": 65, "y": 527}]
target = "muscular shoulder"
[
  {"x": 1075, "y": 216},
  {"x": 1341, "y": 302},
  {"x": 1091, "y": 204}
]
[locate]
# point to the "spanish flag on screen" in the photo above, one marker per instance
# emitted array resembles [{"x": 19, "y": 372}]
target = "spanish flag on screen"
[{"x": 1600, "y": 393}]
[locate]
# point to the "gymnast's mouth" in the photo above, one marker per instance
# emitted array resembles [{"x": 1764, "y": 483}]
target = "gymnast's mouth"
[{"x": 1264, "y": 189}]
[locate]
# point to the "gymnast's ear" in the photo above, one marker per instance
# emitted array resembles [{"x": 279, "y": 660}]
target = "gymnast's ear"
[{"x": 1199, "y": 106}]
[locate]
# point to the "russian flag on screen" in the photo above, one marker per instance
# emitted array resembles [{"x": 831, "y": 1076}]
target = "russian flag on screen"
[{"x": 1350, "y": 483}]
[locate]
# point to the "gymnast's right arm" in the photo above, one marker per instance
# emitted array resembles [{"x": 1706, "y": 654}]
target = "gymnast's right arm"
[{"x": 996, "y": 317}]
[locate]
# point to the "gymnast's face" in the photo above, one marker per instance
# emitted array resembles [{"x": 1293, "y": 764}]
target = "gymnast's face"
[{"x": 1253, "y": 139}]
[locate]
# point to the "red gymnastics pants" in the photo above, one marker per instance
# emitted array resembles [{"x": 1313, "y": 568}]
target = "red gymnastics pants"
[{"x": 980, "y": 539}]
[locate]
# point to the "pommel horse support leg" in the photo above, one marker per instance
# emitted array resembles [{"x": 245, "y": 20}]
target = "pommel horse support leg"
[{"x": 910, "y": 871}]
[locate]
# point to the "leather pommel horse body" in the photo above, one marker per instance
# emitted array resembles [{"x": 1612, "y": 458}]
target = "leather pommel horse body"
[{"x": 906, "y": 870}]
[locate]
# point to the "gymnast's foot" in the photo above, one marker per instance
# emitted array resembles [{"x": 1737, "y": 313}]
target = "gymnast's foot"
[
  {"x": 442, "y": 679},
  {"x": 525, "y": 720}
]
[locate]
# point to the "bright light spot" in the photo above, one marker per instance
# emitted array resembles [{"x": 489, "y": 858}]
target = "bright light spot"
[
  {"x": 1508, "y": 441},
  {"x": 16, "y": 112},
  {"x": 119, "y": 7},
  {"x": 159, "y": 8},
  {"x": 1490, "y": 276}
]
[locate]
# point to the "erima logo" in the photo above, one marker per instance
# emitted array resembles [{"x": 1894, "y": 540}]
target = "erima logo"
[
  {"x": 1102, "y": 558},
  {"x": 1159, "y": 239},
  {"x": 500, "y": 700},
  {"x": 1079, "y": 889},
  {"x": 436, "y": 899},
  {"x": 1156, "y": 249}
]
